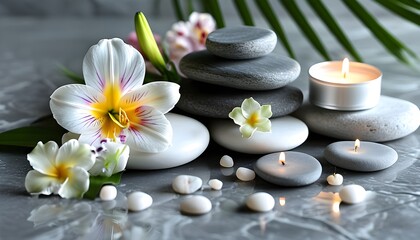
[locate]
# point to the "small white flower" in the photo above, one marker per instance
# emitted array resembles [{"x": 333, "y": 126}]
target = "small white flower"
[
  {"x": 112, "y": 158},
  {"x": 61, "y": 171},
  {"x": 251, "y": 117}
]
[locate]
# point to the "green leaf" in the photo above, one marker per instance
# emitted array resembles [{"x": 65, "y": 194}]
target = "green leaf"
[
  {"x": 399, "y": 50},
  {"x": 190, "y": 7},
  {"x": 213, "y": 7},
  {"x": 96, "y": 183},
  {"x": 332, "y": 25},
  {"x": 270, "y": 16},
  {"x": 178, "y": 10},
  {"x": 243, "y": 10},
  {"x": 72, "y": 75},
  {"x": 411, "y": 3},
  {"x": 297, "y": 15},
  {"x": 30, "y": 136},
  {"x": 402, "y": 11}
]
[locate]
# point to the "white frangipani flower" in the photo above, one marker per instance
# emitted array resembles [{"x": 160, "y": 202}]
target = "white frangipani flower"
[
  {"x": 251, "y": 117},
  {"x": 113, "y": 103},
  {"x": 61, "y": 171},
  {"x": 112, "y": 158}
]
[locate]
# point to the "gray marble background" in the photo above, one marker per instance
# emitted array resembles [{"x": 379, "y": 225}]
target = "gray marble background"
[{"x": 38, "y": 36}]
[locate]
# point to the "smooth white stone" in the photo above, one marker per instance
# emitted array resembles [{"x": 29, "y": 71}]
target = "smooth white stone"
[
  {"x": 196, "y": 205},
  {"x": 335, "y": 179},
  {"x": 190, "y": 139},
  {"x": 108, "y": 193},
  {"x": 138, "y": 201},
  {"x": 226, "y": 161},
  {"x": 260, "y": 202},
  {"x": 186, "y": 184},
  {"x": 352, "y": 194},
  {"x": 245, "y": 174},
  {"x": 215, "y": 184},
  {"x": 286, "y": 133}
]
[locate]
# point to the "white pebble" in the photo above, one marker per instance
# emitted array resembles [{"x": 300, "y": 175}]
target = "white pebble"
[
  {"x": 335, "y": 179},
  {"x": 226, "y": 161},
  {"x": 108, "y": 193},
  {"x": 138, "y": 201},
  {"x": 352, "y": 194},
  {"x": 196, "y": 205},
  {"x": 260, "y": 202},
  {"x": 245, "y": 174},
  {"x": 186, "y": 184},
  {"x": 215, "y": 184}
]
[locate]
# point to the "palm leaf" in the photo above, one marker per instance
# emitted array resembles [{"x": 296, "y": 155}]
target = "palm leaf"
[
  {"x": 243, "y": 10},
  {"x": 401, "y": 10},
  {"x": 178, "y": 10},
  {"x": 213, "y": 7},
  {"x": 410, "y": 3}
]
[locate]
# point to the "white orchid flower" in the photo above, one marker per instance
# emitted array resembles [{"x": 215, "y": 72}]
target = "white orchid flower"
[
  {"x": 61, "y": 171},
  {"x": 112, "y": 158},
  {"x": 113, "y": 103},
  {"x": 251, "y": 117}
]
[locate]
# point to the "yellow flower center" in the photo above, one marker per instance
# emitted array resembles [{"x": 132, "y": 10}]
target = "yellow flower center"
[
  {"x": 253, "y": 119},
  {"x": 120, "y": 118},
  {"x": 60, "y": 172}
]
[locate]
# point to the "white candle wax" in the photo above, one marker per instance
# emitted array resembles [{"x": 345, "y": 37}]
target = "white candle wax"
[
  {"x": 358, "y": 89},
  {"x": 300, "y": 169},
  {"x": 368, "y": 157}
]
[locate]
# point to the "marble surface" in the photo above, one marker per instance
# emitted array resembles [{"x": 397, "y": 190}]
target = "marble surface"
[{"x": 31, "y": 49}]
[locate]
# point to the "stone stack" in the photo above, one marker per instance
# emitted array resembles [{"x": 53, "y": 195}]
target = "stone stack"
[{"x": 238, "y": 64}]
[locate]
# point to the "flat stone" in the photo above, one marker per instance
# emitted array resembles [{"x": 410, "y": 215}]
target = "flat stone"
[
  {"x": 242, "y": 42},
  {"x": 264, "y": 73},
  {"x": 195, "y": 205},
  {"x": 190, "y": 139},
  {"x": 391, "y": 119},
  {"x": 217, "y": 102},
  {"x": 369, "y": 157},
  {"x": 286, "y": 133},
  {"x": 186, "y": 184}
]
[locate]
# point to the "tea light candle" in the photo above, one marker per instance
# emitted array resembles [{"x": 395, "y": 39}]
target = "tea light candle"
[
  {"x": 290, "y": 169},
  {"x": 360, "y": 156},
  {"x": 346, "y": 86}
]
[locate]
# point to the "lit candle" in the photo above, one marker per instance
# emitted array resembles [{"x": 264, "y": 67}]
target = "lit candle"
[
  {"x": 290, "y": 169},
  {"x": 360, "y": 156},
  {"x": 345, "y": 85},
  {"x": 282, "y": 201}
]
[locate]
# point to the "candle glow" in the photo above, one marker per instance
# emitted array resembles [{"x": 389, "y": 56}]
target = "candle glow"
[
  {"x": 282, "y": 158},
  {"x": 282, "y": 201},
  {"x": 345, "y": 68},
  {"x": 356, "y": 145}
]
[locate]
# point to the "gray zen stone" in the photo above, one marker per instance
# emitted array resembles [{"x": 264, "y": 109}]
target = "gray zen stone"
[
  {"x": 241, "y": 42},
  {"x": 265, "y": 73},
  {"x": 215, "y": 101},
  {"x": 369, "y": 158},
  {"x": 391, "y": 119}
]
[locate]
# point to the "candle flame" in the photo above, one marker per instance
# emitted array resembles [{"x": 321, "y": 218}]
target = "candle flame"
[
  {"x": 356, "y": 145},
  {"x": 282, "y": 201},
  {"x": 345, "y": 68},
  {"x": 282, "y": 158}
]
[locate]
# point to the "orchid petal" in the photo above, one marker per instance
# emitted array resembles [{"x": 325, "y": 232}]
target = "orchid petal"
[
  {"x": 76, "y": 184},
  {"x": 42, "y": 157},
  {"x": 266, "y": 111},
  {"x": 160, "y": 95},
  {"x": 150, "y": 132},
  {"x": 247, "y": 130},
  {"x": 91, "y": 138},
  {"x": 113, "y": 63},
  {"x": 72, "y": 107},
  {"x": 249, "y": 106},
  {"x": 37, "y": 183},
  {"x": 68, "y": 136},
  {"x": 236, "y": 115},
  {"x": 72, "y": 154},
  {"x": 264, "y": 125}
]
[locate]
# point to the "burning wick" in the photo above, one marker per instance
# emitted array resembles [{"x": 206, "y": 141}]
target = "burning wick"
[
  {"x": 282, "y": 158},
  {"x": 356, "y": 145},
  {"x": 282, "y": 201},
  {"x": 345, "y": 68}
]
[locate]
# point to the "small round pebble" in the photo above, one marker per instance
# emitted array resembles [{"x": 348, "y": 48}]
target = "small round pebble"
[
  {"x": 245, "y": 174},
  {"x": 215, "y": 184},
  {"x": 352, "y": 194},
  {"x": 226, "y": 161},
  {"x": 335, "y": 179},
  {"x": 186, "y": 184},
  {"x": 108, "y": 193},
  {"x": 260, "y": 202},
  {"x": 138, "y": 201},
  {"x": 196, "y": 205}
]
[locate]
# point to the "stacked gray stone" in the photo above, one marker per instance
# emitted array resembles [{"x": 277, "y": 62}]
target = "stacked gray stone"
[{"x": 238, "y": 64}]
